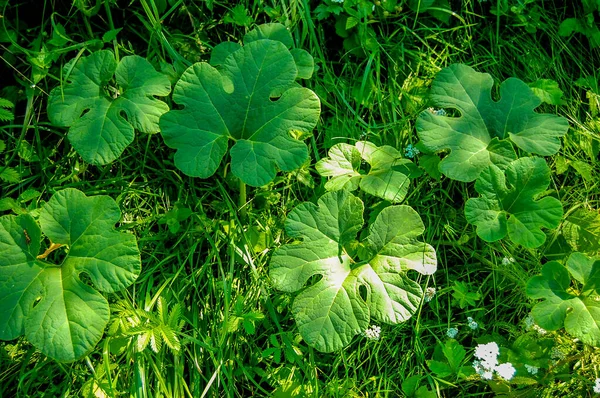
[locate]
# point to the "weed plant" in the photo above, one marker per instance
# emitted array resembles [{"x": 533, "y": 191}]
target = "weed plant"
[{"x": 203, "y": 318}]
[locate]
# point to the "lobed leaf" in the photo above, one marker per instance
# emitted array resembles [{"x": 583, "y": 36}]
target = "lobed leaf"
[
  {"x": 388, "y": 177},
  {"x": 340, "y": 305},
  {"x": 577, "y": 309},
  {"x": 508, "y": 204},
  {"x": 101, "y": 121},
  {"x": 49, "y": 303},
  {"x": 479, "y": 137},
  {"x": 252, "y": 99}
]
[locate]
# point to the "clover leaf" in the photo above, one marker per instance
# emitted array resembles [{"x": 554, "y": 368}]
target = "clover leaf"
[
  {"x": 574, "y": 305},
  {"x": 102, "y": 118},
  {"x": 508, "y": 204},
  {"x": 340, "y": 305},
  {"x": 388, "y": 177},
  {"x": 59, "y": 313},
  {"x": 479, "y": 136},
  {"x": 251, "y": 99}
]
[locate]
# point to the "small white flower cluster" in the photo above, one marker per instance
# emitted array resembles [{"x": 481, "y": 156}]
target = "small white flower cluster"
[
  {"x": 597, "y": 386},
  {"x": 429, "y": 294},
  {"x": 410, "y": 151},
  {"x": 472, "y": 324},
  {"x": 531, "y": 325},
  {"x": 337, "y": 1},
  {"x": 558, "y": 353},
  {"x": 533, "y": 370},
  {"x": 507, "y": 260},
  {"x": 487, "y": 363},
  {"x": 452, "y": 332},
  {"x": 373, "y": 333}
]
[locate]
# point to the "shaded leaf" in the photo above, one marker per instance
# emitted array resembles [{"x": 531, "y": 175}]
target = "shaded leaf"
[
  {"x": 479, "y": 137},
  {"x": 340, "y": 305},
  {"x": 58, "y": 313},
  {"x": 102, "y": 116},
  {"x": 577, "y": 309},
  {"x": 508, "y": 204},
  {"x": 252, "y": 100}
]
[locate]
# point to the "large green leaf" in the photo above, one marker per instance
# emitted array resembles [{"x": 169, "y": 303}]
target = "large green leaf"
[
  {"x": 479, "y": 136},
  {"x": 388, "y": 177},
  {"x": 60, "y": 314},
  {"x": 102, "y": 118},
  {"x": 577, "y": 308},
  {"x": 252, "y": 99},
  {"x": 331, "y": 311},
  {"x": 508, "y": 205}
]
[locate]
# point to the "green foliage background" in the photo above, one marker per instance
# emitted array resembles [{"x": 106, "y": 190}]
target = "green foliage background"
[{"x": 203, "y": 318}]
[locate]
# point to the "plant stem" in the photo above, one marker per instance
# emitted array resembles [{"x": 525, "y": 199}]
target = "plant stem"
[{"x": 242, "y": 200}]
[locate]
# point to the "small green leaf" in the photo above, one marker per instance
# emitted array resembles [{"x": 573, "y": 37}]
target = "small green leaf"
[
  {"x": 441, "y": 369},
  {"x": 239, "y": 16},
  {"x": 479, "y": 137},
  {"x": 10, "y": 175},
  {"x": 463, "y": 296},
  {"x": 454, "y": 353},
  {"x": 102, "y": 116},
  {"x": 58, "y": 313},
  {"x": 579, "y": 309},
  {"x": 388, "y": 177},
  {"x": 548, "y": 91},
  {"x": 335, "y": 308},
  {"x": 252, "y": 100},
  {"x": 111, "y": 35},
  {"x": 508, "y": 205}
]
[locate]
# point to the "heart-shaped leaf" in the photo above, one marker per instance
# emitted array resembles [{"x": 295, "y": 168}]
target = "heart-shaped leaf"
[
  {"x": 253, "y": 100},
  {"x": 50, "y": 304},
  {"x": 479, "y": 136},
  {"x": 508, "y": 205},
  {"x": 338, "y": 306},
  {"x": 102, "y": 117},
  {"x": 578, "y": 309},
  {"x": 388, "y": 177}
]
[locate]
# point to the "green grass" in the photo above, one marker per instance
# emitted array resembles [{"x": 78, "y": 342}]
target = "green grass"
[{"x": 218, "y": 258}]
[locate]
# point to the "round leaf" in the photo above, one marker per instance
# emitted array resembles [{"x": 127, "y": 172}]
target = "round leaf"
[
  {"x": 49, "y": 303},
  {"x": 252, "y": 100}
]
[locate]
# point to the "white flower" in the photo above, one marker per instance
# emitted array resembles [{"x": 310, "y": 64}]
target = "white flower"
[
  {"x": 337, "y": 1},
  {"x": 530, "y": 324},
  {"x": 488, "y": 353},
  {"x": 373, "y": 333},
  {"x": 429, "y": 294},
  {"x": 597, "y": 386},
  {"x": 452, "y": 332},
  {"x": 471, "y": 323},
  {"x": 507, "y": 260},
  {"x": 532, "y": 369},
  {"x": 506, "y": 370}
]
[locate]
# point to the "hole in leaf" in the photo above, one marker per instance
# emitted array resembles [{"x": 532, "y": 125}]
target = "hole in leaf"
[
  {"x": 313, "y": 280},
  {"x": 57, "y": 257},
  {"x": 36, "y": 302},
  {"x": 85, "y": 279},
  {"x": 362, "y": 292}
]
